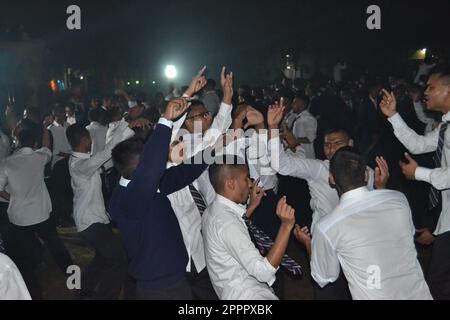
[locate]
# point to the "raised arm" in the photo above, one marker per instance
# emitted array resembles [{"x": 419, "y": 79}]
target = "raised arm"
[
  {"x": 282, "y": 162},
  {"x": 152, "y": 162},
  {"x": 415, "y": 143}
]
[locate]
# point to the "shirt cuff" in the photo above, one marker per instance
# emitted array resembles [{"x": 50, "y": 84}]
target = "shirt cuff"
[
  {"x": 272, "y": 269},
  {"x": 396, "y": 119},
  {"x": 423, "y": 174},
  {"x": 165, "y": 122}
]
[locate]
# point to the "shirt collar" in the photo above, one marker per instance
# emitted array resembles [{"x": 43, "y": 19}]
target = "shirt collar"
[
  {"x": 81, "y": 155},
  {"x": 56, "y": 124},
  {"x": 238, "y": 209},
  {"x": 124, "y": 182},
  {"x": 354, "y": 193},
  {"x": 24, "y": 150},
  {"x": 446, "y": 117}
]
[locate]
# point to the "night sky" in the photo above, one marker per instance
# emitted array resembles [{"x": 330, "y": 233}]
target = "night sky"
[{"x": 150, "y": 34}]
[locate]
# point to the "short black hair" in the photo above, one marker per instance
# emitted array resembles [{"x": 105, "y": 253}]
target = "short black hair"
[
  {"x": 97, "y": 115},
  {"x": 75, "y": 133},
  {"x": 348, "y": 168},
  {"x": 211, "y": 83},
  {"x": 443, "y": 70},
  {"x": 223, "y": 169},
  {"x": 57, "y": 108},
  {"x": 33, "y": 112},
  {"x": 27, "y": 137},
  {"x": 123, "y": 154},
  {"x": 337, "y": 130},
  {"x": 303, "y": 97}
]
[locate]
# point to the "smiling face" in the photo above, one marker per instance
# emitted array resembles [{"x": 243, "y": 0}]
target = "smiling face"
[
  {"x": 437, "y": 95},
  {"x": 334, "y": 141}
]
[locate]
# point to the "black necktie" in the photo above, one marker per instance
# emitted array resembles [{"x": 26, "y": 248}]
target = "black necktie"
[
  {"x": 435, "y": 195},
  {"x": 264, "y": 244},
  {"x": 198, "y": 199}
]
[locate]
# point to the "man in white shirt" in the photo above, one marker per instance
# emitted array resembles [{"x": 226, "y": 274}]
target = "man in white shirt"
[
  {"x": 237, "y": 269},
  {"x": 323, "y": 198},
  {"x": 12, "y": 286},
  {"x": 210, "y": 98},
  {"x": 303, "y": 128},
  {"x": 60, "y": 145},
  {"x": 70, "y": 114},
  {"x": 29, "y": 205},
  {"x": 437, "y": 98},
  {"x": 108, "y": 269},
  {"x": 97, "y": 129},
  {"x": 416, "y": 95},
  {"x": 316, "y": 172},
  {"x": 190, "y": 202},
  {"x": 370, "y": 234}
]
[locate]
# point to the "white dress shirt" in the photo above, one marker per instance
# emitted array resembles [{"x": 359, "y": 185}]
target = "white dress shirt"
[
  {"x": 236, "y": 268},
  {"x": 98, "y": 136},
  {"x": 5, "y": 145},
  {"x": 71, "y": 120},
  {"x": 316, "y": 173},
  {"x": 23, "y": 173},
  {"x": 12, "y": 286},
  {"x": 5, "y": 150},
  {"x": 305, "y": 126},
  {"x": 182, "y": 202},
  {"x": 60, "y": 142},
  {"x": 370, "y": 235},
  {"x": 88, "y": 203},
  {"x": 439, "y": 177}
]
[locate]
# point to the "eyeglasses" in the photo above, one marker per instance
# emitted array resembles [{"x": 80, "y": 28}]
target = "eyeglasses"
[{"x": 204, "y": 115}]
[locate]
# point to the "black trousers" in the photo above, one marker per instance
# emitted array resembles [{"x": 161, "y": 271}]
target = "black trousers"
[
  {"x": 200, "y": 284},
  {"x": 23, "y": 246},
  {"x": 106, "y": 273},
  {"x": 337, "y": 290},
  {"x": 179, "y": 291},
  {"x": 438, "y": 276}
]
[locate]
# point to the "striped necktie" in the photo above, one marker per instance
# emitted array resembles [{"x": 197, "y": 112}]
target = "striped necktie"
[
  {"x": 264, "y": 244},
  {"x": 435, "y": 195},
  {"x": 198, "y": 199}
]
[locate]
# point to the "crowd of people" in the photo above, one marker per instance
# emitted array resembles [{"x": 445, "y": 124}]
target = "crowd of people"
[{"x": 197, "y": 195}]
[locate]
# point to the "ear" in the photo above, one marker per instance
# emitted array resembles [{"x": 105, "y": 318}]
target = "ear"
[
  {"x": 351, "y": 142},
  {"x": 366, "y": 176},
  {"x": 230, "y": 184},
  {"x": 331, "y": 181}
]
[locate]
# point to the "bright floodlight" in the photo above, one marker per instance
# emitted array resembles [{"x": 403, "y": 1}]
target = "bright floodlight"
[{"x": 170, "y": 72}]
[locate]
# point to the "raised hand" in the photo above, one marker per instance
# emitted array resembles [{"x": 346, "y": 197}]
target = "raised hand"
[
  {"x": 240, "y": 115},
  {"x": 257, "y": 194},
  {"x": 381, "y": 173},
  {"x": 389, "y": 104},
  {"x": 254, "y": 117},
  {"x": 197, "y": 83},
  {"x": 226, "y": 80},
  {"x": 285, "y": 212},
  {"x": 303, "y": 235},
  {"x": 275, "y": 114},
  {"x": 409, "y": 169},
  {"x": 176, "y": 108}
]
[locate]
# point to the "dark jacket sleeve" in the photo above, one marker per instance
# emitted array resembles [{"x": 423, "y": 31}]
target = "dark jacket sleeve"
[
  {"x": 178, "y": 177},
  {"x": 151, "y": 167}
]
